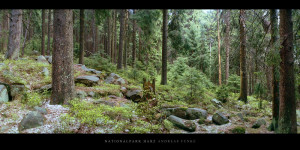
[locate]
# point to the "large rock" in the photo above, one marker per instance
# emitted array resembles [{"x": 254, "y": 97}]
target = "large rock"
[
  {"x": 187, "y": 125},
  {"x": 31, "y": 120},
  {"x": 258, "y": 123},
  {"x": 196, "y": 113},
  {"x": 3, "y": 94},
  {"x": 42, "y": 59},
  {"x": 187, "y": 113},
  {"x": 114, "y": 79},
  {"x": 87, "y": 80},
  {"x": 217, "y": 103},
  {"x": 134, "y": 95},
  {"x": 17, "y": 90},
  {"x": 219, "y": 118}
]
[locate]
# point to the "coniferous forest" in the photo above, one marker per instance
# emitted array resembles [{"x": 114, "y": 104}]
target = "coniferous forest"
[{"x": 187, "y": 71}]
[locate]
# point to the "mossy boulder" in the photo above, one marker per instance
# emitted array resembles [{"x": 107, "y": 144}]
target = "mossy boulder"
[
  {"x": 87, "y": 80},
  {"x": 115, "y": 79},
  {"x": 238, "y": 130},
  {"x": 187, "y": 125},
  {"x": 195, "y": 113},
  {"x": 134, "y": 95},
  {"x": 31, "y": 120},
  {"x": 258, "y": 123},
  {"x": 3, "y": 94},
  {"x": 186, "y": 113},
  {"x": 219, "y": 118}
]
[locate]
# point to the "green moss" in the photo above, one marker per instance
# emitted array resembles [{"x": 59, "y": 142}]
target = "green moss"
[
  {"x": 168, "y": 125},
  {"x": 32, "y": 99},
  {"x": 238, "y": 130},
  {"x": 201, "y": 121}
]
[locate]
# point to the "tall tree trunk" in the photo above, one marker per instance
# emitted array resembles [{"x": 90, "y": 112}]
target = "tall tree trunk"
[
  {"x": 227, "y": 43},
  {"x": 140, "y": 46},
  {"x": 108, "y": 37},
  {"x": 115, "y": 38},
  {"x": 219, "y": 49},
  {"x": 94, "y": 31},
  {"x": 96, "y": 39},
  {"x": 275, "y": 70},
  {"x": 121, "y": 38},
  {"x": 25, "y": 36},
  {"x": 164, "y": 48},
  {"x": 287, "y": 122},
  {"x": 4, "y": 30},
  {"x": 14, "y": 34},
  {"x": 81, "y": 34},
  {"x": 243, "y": 73},
  {"x": 125, "y": 39},
  {"x": 63, "y": 86},
  {"x": 133, "y": 41},
  {"x": 49, "y": 27},
  {"x": 43, "y": 31}
]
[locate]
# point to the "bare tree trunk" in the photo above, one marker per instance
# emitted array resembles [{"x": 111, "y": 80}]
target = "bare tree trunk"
[
  {"x": 14, "y": 34},
  {"x": 108, "y": 37},
  {"x": 63, "y": 86},
  {"x": 164, "y": 48},
  {"x": 49, "y": 27},
  {"x": 134, "y": 42},
  {"x": 43, "y": 31},
  {"x": 115, "y": 38},
  {"x": 275, "y": 71},
  {"x": 81, "y": 34},
  {"x": 219, "y": 49},
  {"x": 126, "y": 40},
  {"x": 5, "y": 30},
  {"x": 227, "y": 43},
  {"x": 287, "y": 122},
  {"x": 94, "y": 31},
  {"x": 243, "y": 73},
  {"x": 27, "y": 28},
  {"x": 121, "y": 38}
]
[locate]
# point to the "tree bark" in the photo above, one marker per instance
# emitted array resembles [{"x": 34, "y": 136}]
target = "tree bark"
[
  {"x": 49, "y": 27},
  {"x": 275, "y": 71},
  {"x": 81, "y": 34},
  {"x": 121, "y": 38},
  {"x": 5, "y": 30},
  {"x": 287, "y": 122},
  {"x": 133, "y": 41},
  {"x": 108, "y": 37},
  {"x": 63, "y": 86},
  {"x": 164, "y": 48},
  {"x": 227, "y": 43},
  {"x": 115, "y": 38},
  {"x": 43, "y": 31},
  {"x": 26, "y": 32},
  {"x": 243, "y": 73},
  {"x": 126, "y": 31},
  {"x": 14, "y": 34},
  {"x": 219, "y": 49}
]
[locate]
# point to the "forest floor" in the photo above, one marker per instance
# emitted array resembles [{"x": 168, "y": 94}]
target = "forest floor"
[{"x": 105, "y": 108}]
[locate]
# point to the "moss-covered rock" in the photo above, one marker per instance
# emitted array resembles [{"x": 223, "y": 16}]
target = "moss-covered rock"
[
  {"x": 187, "y": 125},
  {"x": 259, "y": 123},
  {"x": 219, "y": 118},
  {"x": 238, "y": 130}
]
